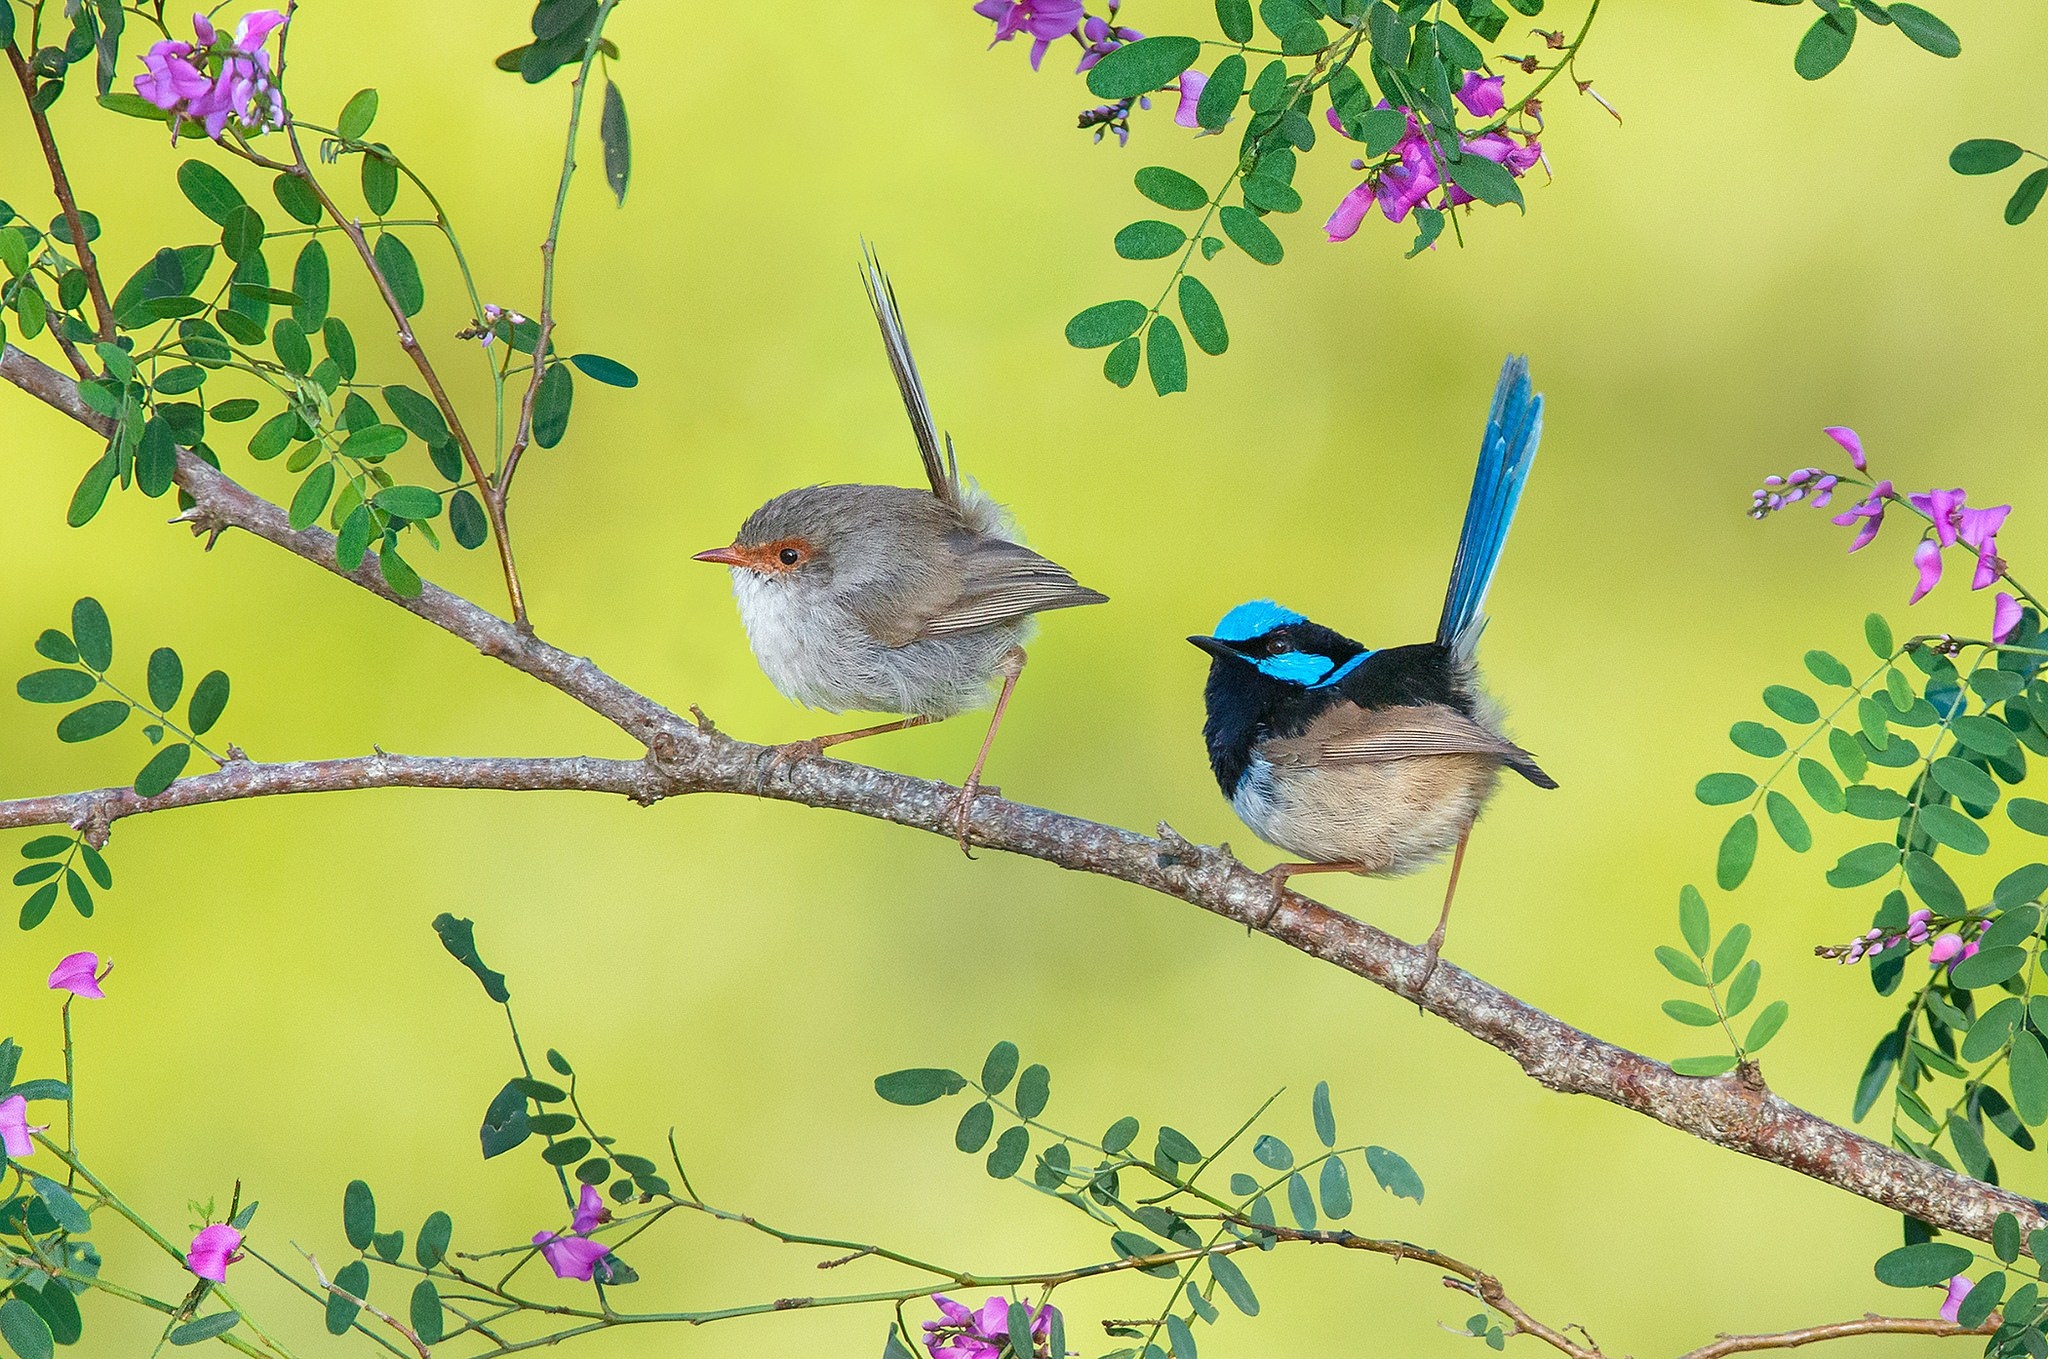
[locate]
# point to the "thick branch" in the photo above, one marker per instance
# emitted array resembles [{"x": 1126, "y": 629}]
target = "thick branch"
[{"x": 1736, "y": 1111}]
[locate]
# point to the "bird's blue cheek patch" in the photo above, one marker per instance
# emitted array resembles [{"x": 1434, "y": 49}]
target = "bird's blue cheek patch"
[
  {"x": 1341, "y": 671},
  {"x": 1254, "y": 619},
  {"x": 1296, "y": 667}
]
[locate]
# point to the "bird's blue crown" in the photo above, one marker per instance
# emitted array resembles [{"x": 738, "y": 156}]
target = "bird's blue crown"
[{"x": 1309, "y": 669}]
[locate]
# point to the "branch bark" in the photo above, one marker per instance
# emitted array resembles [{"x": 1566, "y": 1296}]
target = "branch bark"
[{"x": 1737, "y": 1111}]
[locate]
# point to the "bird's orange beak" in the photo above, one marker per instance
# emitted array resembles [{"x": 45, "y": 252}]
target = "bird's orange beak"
[{"x": 724, "y": 556}]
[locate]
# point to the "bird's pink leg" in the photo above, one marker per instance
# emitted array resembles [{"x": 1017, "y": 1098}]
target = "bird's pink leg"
[
  {"x": 809, "y": 749},
  {"x": 1012, "y": 666},
  {"x": 1278, "y": 875},
  {"x": 1436, "y": 938}
]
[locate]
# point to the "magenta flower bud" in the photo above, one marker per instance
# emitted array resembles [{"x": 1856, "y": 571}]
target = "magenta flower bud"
[
  {"x": 590, "y": 1211},
  {"x": 1958, "y": 1289},
  {"x": 1927, "y": 561},
  {"x": 15, "y": 1127},
  {"x": 1850, "y": 443},
  {"x": 213, "y": 1250},
  {"x": 2005, "y": 616},
  {"x": 1774, "y": 481},
  {"x": 1191, "y": 86},
  {"x": 79, "y": 974},
  {"x": 1945, "y": 949}
]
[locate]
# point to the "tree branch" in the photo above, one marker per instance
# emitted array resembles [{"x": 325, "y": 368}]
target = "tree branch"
[
  {"x": 1736, "y": 1111},
  {"x": 61, "y": 183},
  {"x": 1870, "y": 1324}
]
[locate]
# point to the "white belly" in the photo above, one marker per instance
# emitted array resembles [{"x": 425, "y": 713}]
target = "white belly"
[{"x": 1393, "y": 818}]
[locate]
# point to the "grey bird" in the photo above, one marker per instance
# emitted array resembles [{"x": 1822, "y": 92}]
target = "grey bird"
[{"x": 890, "y": 598}]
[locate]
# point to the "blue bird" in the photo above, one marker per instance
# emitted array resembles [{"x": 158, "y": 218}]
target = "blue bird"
[{"x": 1376, "y": 761}]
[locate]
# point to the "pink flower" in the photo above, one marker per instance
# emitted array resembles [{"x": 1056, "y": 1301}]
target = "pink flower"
[
  {"x": 213, "y": 1250},
  {"x": 590, "y": 1211},
  {"x": 1481, "y": 96},
  {"x": 570, "y": 1257},
  {"x": 1958, "y": 1289},
  {"x": 2005, "y": 616},
  {"x": 169, "y": 78},
  {"x": 221, "y": 81},
  {"x": 1851, "y": 443},
  {"x": 1941, "y": 507},
  {"x": 79, "y": 974},
  {"x": 15, "y": 1127},
  {"x": 1045, "y": 20},
  {"x": 1191, "y": 85},
  {"x": 1927, "y": 560},
  {"x": 1103, "y": 36},
  {"x": 978, "y": 1333},
  {"x": 1871, "y": 511},
  {"x": 1950, "y": 949}
]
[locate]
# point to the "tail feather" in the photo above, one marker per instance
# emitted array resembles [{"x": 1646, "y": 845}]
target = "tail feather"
[
  {"x": 940, "y": 467},
  {"x": 1513, "y": 429}
]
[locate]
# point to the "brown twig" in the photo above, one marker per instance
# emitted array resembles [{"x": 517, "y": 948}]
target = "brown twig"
[
  {"x": 1868, "y": 1324},
  {"x": 393, "y": 1322},
  {"x": 1736, "y": 1111},
  {"x": 62, "y": 184}
]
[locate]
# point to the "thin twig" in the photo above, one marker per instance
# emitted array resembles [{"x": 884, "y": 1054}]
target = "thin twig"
[
  {"x": 338, "y": 1291},
  {"x": 62, "y": 184},
  {"x": 1868, "y": 1324}
]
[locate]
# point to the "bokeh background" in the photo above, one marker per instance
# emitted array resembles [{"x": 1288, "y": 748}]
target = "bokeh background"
[{"x": 1747, "y": 258}]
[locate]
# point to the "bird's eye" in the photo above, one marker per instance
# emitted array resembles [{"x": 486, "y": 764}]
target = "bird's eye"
[
  {"x": 1276, "y": 645},
  {"x": 790, "y": 556}
]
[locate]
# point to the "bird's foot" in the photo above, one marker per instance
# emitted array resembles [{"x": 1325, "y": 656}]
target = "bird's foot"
[
  {"x": 963, "y": 810},
  {"x": 784, "y": 755},
  {"x": 1432, "y": 953},
  {"x": 1278, "y": 875}
]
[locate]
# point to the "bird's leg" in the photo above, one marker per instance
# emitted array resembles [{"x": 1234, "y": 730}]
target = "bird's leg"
[
  {"x": 1435, "y": 945},
  {"x": 1278, "y": 875},
  {"x": 1011, "y": 666},
  {"x": 817, "y": 745}
]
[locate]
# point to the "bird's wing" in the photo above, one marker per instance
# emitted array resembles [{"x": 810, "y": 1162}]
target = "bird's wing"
[
  {"x": 1348, "y": 734},
  {"x": 940, "y": 468},
  {"x": 1000, "y": 582}
]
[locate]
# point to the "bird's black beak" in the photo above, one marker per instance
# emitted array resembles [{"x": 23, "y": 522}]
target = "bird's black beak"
[{"x": 1216, "y": 647}]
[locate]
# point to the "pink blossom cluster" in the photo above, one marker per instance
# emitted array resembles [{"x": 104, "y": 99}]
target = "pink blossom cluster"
[
  {"x": 1406, "y": 182},
  {"x": 979, "y": 1333},
  {"x": 573, "y": 1255},
  {"x": 222, "y": 80}
]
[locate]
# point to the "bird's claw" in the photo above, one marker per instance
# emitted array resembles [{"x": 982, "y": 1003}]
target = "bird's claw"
[
  {"x": 786, "y": 754},
  {"x": 963, "y": 811},
  {"x": 1277, "y": 875}
]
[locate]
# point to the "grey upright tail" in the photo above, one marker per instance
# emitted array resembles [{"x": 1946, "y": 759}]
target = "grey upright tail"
[
  {"x": 1513, "y": 429},
  {"x": 940, "y": 467}
]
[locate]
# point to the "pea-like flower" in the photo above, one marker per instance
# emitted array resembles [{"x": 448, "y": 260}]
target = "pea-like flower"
[
  {"x": 1958, "y": 1289},
  {"x": 1046, "y": 21},
  {"x": 213, "y": 1250},
  {"x": 1949, "y": 949},
  {"x": 1851, "y": 442},
  {"x": 1481, "y": 95},
  {"x": 80, "y": 974},
  {"x": 590, "y": 1211},
  {"x": 221, "y": 80},
  {"x": 2005, "y": 616},
  {"x": 979, "y": 1333},
  {"x": 570, "y": 1257},
  {"x": 1870, "y": 510},
  {"x": 1103, "y": 36},
  {"x": 15, "y": 1127}
]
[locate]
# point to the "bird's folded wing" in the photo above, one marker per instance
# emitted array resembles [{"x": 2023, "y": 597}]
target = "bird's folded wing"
[
  {"x": 1001, "y": 582},
  {"x": 1349, "y": 734}
]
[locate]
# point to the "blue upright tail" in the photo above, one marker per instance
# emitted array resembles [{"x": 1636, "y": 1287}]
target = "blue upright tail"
[{"x": 1513, "y": 428}]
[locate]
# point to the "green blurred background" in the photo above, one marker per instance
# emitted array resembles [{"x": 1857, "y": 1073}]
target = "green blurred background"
[{"x": 1747, "y": 259}]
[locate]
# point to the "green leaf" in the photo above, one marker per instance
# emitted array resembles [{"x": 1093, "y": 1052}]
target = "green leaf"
[
  {"x": 1323, "y": 1116},
  {"x": 357, "y": 115},
  {"x": 1791, "y": 704},
  {"x": 1120, "y": 365},
  {"x": 205, "y": 1328},
  {"x": 1742, "y": 990},
  {"x": 1923, "y": 1265},
  {"x": 458, "y": 936},
  {"x": 1334, "y": 1187},
  {"x": 55, "y": 686},
  {"x": 1820, "y": 785},
  {"x": 1166, "y": 358},
  {"x": 1218, "y": 100},
  {"x": 163, "y": 769},
  {"x": 1983, "y": 156},
  {"x": 400, "y": 271},
  {"x": 417, "y": 413},
  {"x": 1263, "y": 191},
  {"x": 1986, "y": 736},
  {"x": 465, "y": 519},
  {"x": 1231, "y": 1280},
  {"x": 92, "y": 633},
  {"x": 1993, "y": 1030},
  {"x": 1825, "y": 44},
  {"x": 919, "y": 1085},
  {"x": 1823, "y": 666},
  {"x": 1719, "y": 1065},
  {"x": 1988, "y": 967},
  {"x": 208, "y": 190},
  {"x": 93, "y": 720},
  {"x": 551, "y": 405},
  {"x": 430, "y": 1247},
  {"x": 1925, "y": 30},
  {"x": 1484, "y": 180},
  {"x": 1728, "y": 956},
  {"x": 426, "y": 1314},
  {"x": 1719, "y": 790},
  {"x": 310, "y": 281},
  {"x": 1272, "y": 1153},
  {"x": 615, "y": 135},
  {"x": 999, "y": 1067},
  {"x": 1691, "y": 1012},
  {"x": 1149, "y": 240},
  {"x": 1738, "y": 852},
  {"x": 1755, "y": 738},
  {"x": 1105, "y": 323},
  {"x": 2029, "y": 814},
  {"x": 2026, "y": 198},
  {"x": 66, "y": 1210},
  {"x": 1932, "y": 884},
  {"x": 1767, "y": 1025},
  {"x": 2029, "y": 1072},
  {"x": 1119, "y": 1135},
  {"x": 1034, "y": 1088},
  {"x": 1950, "y": 827},
  {"x": 1143, "y": 66},
  {"x": 353, "y": 1279},
  {"x": 975, "y": 1126},
  {"x": 1008, "y": 1156},
  {"x": 1234, "y": 17},
  {"x": 1172, "y": 189},
  {"x": 1680, "y": 966},
  {"x": 358, "y": 1209},
  {"x": 1175, "y": 1146},
  {"x": 299, "y": 201},
  {"x": 311, "y": 498},
  {"x": 1692, "y": 920},
  {"x": 1203, "y": 317},
  {"x": 26, "y": 1333},
  {"x": 610, "y": 372},
  {"x": 408, "y": 502},
  {"x": 1878, "y": 634},
  {"x": 1787, "y": 821},
  {"x": 209, "y": 697},
  {"x": 1250, "y": 234},
  {"x": 397, "y": 572},
  {"x": 1394, "y": 1173}
]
